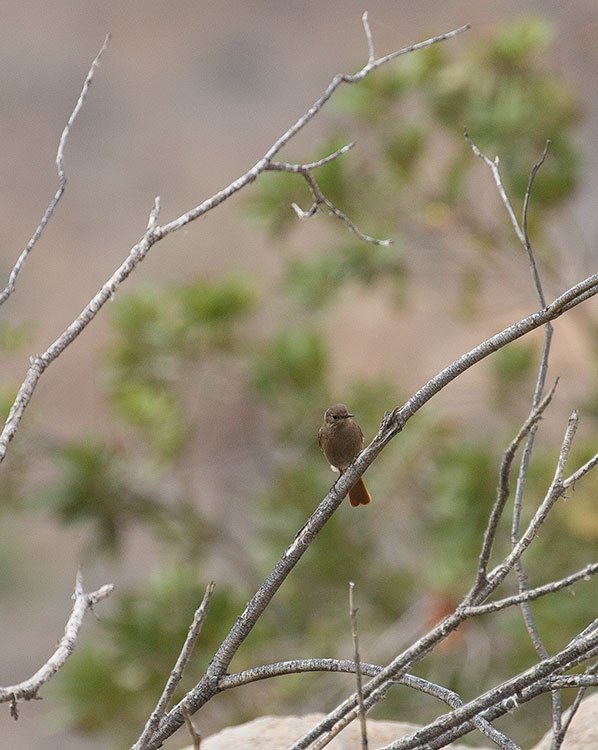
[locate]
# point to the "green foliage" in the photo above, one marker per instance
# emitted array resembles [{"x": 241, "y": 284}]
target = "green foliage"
[
  {"x": 13, "y": 337},
  {"x": 517, "y": 45},
  {"x": 511, "y": 368},
  {"x": 94, "y": 486},
  {"x": 7, "y": 398},
  {"x": 156, "y": 413},
  {"x": 316, "y": 283},
  {"x": 461, "y": 491},
  {"x": 156, "y": 333},
  {"x": 294, "y": 361},
  {"x": 289, "y": 371}
]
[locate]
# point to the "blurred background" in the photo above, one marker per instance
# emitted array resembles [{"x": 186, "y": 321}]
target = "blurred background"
[{"x": 175, "y": 441}]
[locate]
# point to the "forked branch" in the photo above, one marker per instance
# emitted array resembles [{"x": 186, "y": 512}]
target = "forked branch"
[{"x": 28, "y": 689}]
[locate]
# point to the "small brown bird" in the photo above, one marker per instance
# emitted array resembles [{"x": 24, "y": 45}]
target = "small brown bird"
[{"x": 341, "y": 439}]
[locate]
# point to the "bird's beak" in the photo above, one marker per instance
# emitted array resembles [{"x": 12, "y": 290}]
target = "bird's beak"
[{"x": 350, "y": 415}]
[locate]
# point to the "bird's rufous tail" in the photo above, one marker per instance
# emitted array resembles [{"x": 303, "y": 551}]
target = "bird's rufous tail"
[{"x": 359, "y": 495}]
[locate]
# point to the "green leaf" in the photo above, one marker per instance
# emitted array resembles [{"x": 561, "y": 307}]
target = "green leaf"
[{"x": 156, "y": 412}]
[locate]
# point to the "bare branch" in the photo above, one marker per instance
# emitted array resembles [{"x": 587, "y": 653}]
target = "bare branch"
[
  {"x": 319, "y": 199},
  {"x": 497, "y": 701},
  {"x": 527, "y": 242},
  {"x": 263, "y": 163},
  {"x": 40, "y": 363},
  {"x": 293, "y": 666},
  {"x": 523, "y": 236},
  {"x": 177, "y": 672},
  {"x": 28, "y": 689},
  {"x": 372, "y": 65},
  {"x": 503, "y": 490},
  {"x": 532, "y": 594},
  {"x": 555, "y": 491},
  {"x": 577, "y": 475},
  {"x": 345, "y": 78},
  {"x": 154, "y": 233},
  {"x": 153, "y": 216},
  {"x": 297, "y": 666},
  {"x": 376, "y": 689},
  {"x": 10, "y": 287}
]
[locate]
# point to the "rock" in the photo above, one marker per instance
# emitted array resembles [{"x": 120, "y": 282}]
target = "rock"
[
  {"x": 583, "y": 732},
  {"x": 279, "y": 732}
]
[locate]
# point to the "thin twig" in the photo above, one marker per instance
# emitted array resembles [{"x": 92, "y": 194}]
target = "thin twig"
[
  {"x": 177, "y": 672},
  {"x": 28, "y": 689},
  {"x": 494, "y": 167},
  {"x": 498, "y": 700},
  {"x": 153, "y": 215},
  {"x": 288, "y": 167},
  {"x": 370, "y": 39},
  {"x": 555, "y": 491},
  {"x": 10, "y": 287},
  {"x": 526, "y": 237},
  {"x": 502, "y": 492},
  {"x": 354, "y": 637},
  {"x": 195, "y": 735},
  {"x": 532, "y": 594},
  {"x": 319, "y": 199},
  {"x": 582, "y": 471},
  {"x": 523, "y": 235}
]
